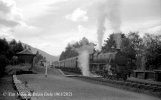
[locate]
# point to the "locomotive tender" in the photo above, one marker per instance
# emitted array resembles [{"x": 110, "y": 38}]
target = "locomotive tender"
[{"x": 113, "y": 64}]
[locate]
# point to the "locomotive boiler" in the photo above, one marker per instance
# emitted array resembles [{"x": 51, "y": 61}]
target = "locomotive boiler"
[{"x": 111, "y": 64}]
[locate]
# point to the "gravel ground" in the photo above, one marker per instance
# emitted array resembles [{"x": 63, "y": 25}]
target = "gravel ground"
[
  {"x": 6, "y": 89},
  {"x": 76, "y": 89}
]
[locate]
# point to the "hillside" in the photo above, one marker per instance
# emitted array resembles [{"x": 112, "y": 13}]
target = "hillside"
[{"x": 43, "y": 53}]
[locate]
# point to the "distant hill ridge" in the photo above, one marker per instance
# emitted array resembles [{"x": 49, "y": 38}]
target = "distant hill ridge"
[{"x": 49, "y": 57}]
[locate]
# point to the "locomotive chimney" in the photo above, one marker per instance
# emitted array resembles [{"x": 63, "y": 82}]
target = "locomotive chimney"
[{"x": 118, "y": 40}]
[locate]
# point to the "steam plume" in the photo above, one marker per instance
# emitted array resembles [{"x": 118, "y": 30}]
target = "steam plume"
[
  {"x": 109, "y": 10},
  {"x": 84, "y": 62},
  {"x": 83, "y": 57}
]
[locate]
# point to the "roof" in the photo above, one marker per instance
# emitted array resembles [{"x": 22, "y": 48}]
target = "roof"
[{"x": 25, "y": 52}]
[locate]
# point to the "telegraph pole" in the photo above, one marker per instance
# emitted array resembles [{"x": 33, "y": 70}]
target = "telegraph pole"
[{"x": 46, "y": 69}]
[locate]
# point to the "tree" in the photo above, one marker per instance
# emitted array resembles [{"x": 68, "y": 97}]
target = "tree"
[
  {"x": 4, "y": 46},
  {"x": 109, "y": 44},
  {"x": 3, "y": 63},
  {"x": 8, "y": 50},
  {"x": 70, "y": 50},
  {"x": 3, "y": 59},
  {"x": 136, "y": 42},
  {"x": 19, "y": 47},
  {"x": 153, "y": 51}
]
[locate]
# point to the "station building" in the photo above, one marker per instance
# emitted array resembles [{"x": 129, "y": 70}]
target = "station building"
[{"x": 26, "y": 56}]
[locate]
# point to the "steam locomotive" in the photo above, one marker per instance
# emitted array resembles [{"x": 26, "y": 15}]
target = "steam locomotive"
[{"x": 111, "y": 65}]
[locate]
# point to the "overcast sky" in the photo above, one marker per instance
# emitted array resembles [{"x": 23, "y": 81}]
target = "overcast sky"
[{"x": 51, "y": 24}]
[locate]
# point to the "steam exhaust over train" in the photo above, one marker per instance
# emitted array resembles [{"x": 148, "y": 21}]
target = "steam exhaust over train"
[{"x": 111, "y": 63}]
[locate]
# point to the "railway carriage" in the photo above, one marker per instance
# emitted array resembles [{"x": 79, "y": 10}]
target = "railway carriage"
[{"x": 70, "y": 64}]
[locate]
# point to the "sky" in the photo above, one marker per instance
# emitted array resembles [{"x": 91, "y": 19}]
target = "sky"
[{"x": 51, "y": 24}]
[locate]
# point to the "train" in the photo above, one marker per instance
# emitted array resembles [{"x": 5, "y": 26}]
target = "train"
[{"x": 111, "y": 65}]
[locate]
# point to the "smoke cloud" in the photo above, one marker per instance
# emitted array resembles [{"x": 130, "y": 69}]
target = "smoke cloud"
[{"x": 109, "y": 11}]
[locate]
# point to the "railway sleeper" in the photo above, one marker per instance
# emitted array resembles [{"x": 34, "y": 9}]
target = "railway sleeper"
[{"x": 127, "y": 83}]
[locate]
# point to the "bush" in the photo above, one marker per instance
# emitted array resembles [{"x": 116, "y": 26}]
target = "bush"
[{"x": 13, "y": 69}]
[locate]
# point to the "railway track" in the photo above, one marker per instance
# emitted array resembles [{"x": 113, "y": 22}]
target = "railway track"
[
  {"x": 143, "y": 85},
  {"x": 127, "y": 83},
  {"x": 136, "y": 86}
]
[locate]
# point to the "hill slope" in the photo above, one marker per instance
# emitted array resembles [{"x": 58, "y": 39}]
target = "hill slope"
[{"x": 43, "y": 53}]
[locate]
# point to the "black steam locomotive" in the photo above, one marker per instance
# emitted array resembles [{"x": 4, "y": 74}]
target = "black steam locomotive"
[{"x": 110, "y": 65}]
